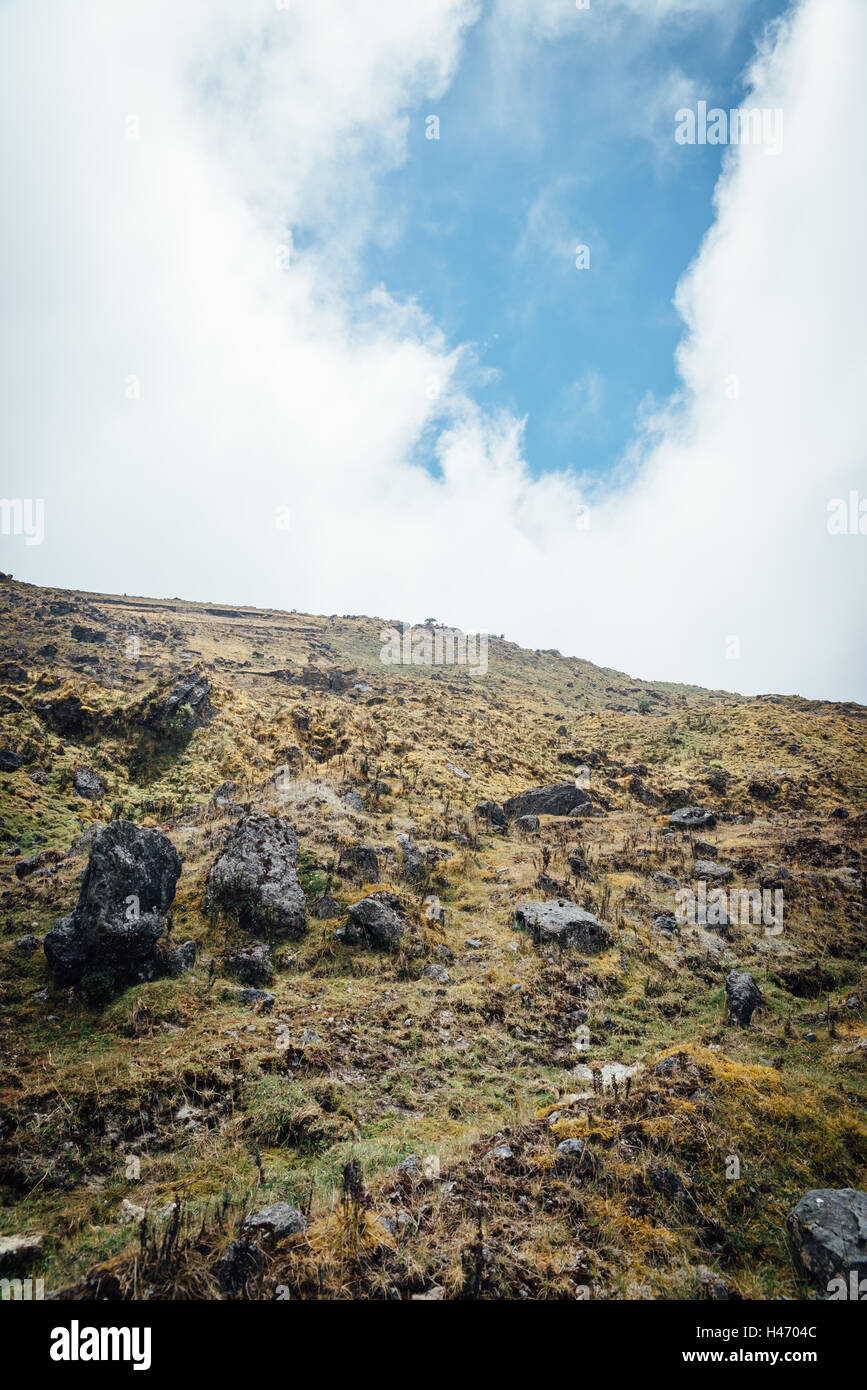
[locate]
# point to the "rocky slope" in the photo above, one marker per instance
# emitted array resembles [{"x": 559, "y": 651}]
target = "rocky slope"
[{"x": 335, "y": 1008}]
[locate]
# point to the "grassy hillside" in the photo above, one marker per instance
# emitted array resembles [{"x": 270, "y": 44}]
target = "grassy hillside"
[{"x": 364, "y": 1056}]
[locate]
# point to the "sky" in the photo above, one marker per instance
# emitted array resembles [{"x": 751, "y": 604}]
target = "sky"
[{"x": 426, "y": 310}]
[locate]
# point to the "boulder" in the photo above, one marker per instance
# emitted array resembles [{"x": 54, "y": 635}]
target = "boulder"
[
  {"x": 251, "y": 965},
  {"x": 438, "y": 973},
  {"x": 692, "y": 818},
  {"x": 413, "y": 859},
  {"x": 666, "y": 880},
  {"x": 359, "y": 861},
  {"x": 493, "y": 813},
  {"x": 274, "y": 1222},
  {"x": 127, "y": 889},
  {"x": 88, "y": 783},
  {"x": 528, "y": 824},
  {"x": 708, "y": 868},
  {"x": 558, "y": 799},
  {"x": 180, "y": 959},
  {"x": 829, "y": 1231},
  {"x": 9, "y": 760},
  {"x": 743, "y": 996},
  {"x": 225, "y": 794},
  {"x": 326, "y": 907},
  {"x": 255, "y": 879},
  {"x": 560, "y": 922},
  {"x": 373, "y": 921},
  {"x": 254, "y": 997},
  {"x": 703, "y": 849},
  {"x": 353, "y": 802}
]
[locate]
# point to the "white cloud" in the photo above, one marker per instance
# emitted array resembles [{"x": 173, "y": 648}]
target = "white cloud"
[{"x": 159, "y": 258}]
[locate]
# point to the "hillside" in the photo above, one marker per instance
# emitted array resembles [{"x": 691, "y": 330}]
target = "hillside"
[{"x": 218, "y": 1089}]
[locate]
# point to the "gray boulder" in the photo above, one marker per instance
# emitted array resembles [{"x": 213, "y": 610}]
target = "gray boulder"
[
  {"x": 225, "y": 794},
  {"x": 373, "y": 922},
  {"x": 708, "y": 868},
  {"x": 562, "y": 923},
  {"x": 352, "y": 800},
  {"x": 692, "y": 818},
  {"x": 88, "y": 783},
  {"x": 558, "y": 799},
  {"x": 829, "y": 1230},
  {"x": 743, "y": 996},
  {"x": 252, "y": 997},
  {"x": 127, "y": 889},
  {"x": 255, "y": 880},
  {"x": 666, "y": 880},
  {"x": 9, "y": 760},
  {"x": 180, "y": 959},
  {"x": 413, "y": 860},
  {"x": 326, "y": 907},
  {"x": 528, "y": 824}
]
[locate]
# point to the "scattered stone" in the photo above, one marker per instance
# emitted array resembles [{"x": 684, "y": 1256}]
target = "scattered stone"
[
  {"x": 18, "y": 1253},
  {"x": 571, "y": 1148},
  {"x": 829, "y": 1230},
  {"x": 672, "y": 1187},
  {"x": 411, "y": 1165},
  {"x": 26, "y": 945},
  {"x": 438, "y": 973},
  {"x": 128, "y": 1214},
  {"x": 743, "y": 996},
  {"x": 434, "y": 911},
  {"x": 413, "y": 860},
  {"x": 458, "y": 771},
  {"x": 126, "y": 891},
  {"x": 256, "y": 879},
  {"x": 562, "y": 922}
]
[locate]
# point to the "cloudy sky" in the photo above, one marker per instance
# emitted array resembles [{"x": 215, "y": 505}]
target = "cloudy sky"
[{"x": 266, "y": 340}]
